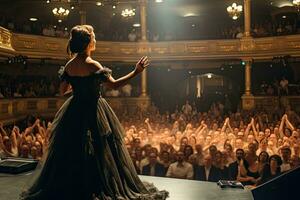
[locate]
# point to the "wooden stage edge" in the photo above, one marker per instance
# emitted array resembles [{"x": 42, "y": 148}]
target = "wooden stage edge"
[{"x": 11, "y": 186}]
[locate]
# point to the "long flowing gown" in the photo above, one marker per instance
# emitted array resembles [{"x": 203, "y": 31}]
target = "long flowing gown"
[{"x": 87, "y": 157}]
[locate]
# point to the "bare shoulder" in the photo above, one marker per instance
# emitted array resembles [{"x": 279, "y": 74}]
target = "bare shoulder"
[
  {"x": 93, "y": 65},
  {"x": 70, "y": 62}
]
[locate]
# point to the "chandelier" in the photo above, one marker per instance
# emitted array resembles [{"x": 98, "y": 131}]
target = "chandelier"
[
  {"x": 60, "y": 12},
  {"x": 235, "y": 11},
  {"x": 128, "y": 12},
  {"x": 296, "y": 3}
]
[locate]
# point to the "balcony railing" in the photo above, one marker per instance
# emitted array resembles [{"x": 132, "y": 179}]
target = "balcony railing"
[
  {"x": 15, "y": 109},
  {"x": 257, "y": 48}
]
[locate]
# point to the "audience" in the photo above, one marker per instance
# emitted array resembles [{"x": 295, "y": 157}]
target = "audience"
[{"x": 187, "y": 144}]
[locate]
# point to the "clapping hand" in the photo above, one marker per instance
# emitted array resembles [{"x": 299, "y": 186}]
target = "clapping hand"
[{"x": 142, "y": 64}]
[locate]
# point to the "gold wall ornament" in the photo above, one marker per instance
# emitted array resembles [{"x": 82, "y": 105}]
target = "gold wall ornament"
[
  {"x": 5, "y": 39},
  {"x": 128, "y": 50},
  {"x": 52, "y": 46},
  {"x": 247, "y": 44},
  {"x": 160, "y": 50},
  {"x": 197, "y": 49}
]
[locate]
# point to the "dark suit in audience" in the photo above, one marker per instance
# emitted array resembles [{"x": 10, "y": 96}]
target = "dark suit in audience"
[
  {"x": 159, "y": 170},
  {"x": 213, "y": 176},
  {"x": 233, "y": 170}
]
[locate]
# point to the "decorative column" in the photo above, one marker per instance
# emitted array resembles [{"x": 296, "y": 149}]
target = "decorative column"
[
  {"x": 143, "y": 16},
  {"x": 144, "y": 84},
  {"x": 248, "y": 101},
  {"x": 248, "y": 78},
  {"x": 82, "y": 17},
  {"x": 247, "y": 18},
  {"x": 143, "y": 21}
]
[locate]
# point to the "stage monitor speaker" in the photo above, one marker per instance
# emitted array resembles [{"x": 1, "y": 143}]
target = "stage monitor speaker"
[
  {"x": 17, "y": 165},
  {"x": 283, "y": 187}
]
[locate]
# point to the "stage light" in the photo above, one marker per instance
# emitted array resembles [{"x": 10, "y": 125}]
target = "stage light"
[
  {"x": 48, "y": 1},
  {"x": 59, "y": 21},
  {"x": 136, "y": 25},
  {"x": 33, "y": 19},
  {"x": 284, "y": 17},
  {"x": 114, "y": 7},
  {"x": 72, "y": 7}
]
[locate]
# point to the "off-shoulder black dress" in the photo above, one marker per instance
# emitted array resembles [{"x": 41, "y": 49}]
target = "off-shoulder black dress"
[{"x": 87, "y": 157}]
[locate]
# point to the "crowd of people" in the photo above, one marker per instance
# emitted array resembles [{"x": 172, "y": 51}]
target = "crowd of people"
[
  {"x": 251, "y": 147},
  {"x": 27, "y": 86},
  {"x": 123, "y": 33},
  {"x": 24, "y": 86}
]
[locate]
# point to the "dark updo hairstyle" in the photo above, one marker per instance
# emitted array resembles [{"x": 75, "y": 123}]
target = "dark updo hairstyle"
[{"x": 80, "y": 38}]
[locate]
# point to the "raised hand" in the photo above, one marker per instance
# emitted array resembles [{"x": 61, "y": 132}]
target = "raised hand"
[{"x": 142, "y": 64}]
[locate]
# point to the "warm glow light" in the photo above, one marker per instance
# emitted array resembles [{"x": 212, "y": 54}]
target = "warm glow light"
[
  {"x": 158, "y": 1},
  {"x": 190, "y": 15},
  {"x": 60, "y": 12},
  {"x": 33, "y": 19},
  {"x": 137, "y": 25},
  {"x": 296, "y": 3},
  {"x": 128, "y": 12},
  {"x": 209, "y": 75},
  {"x": 235, "y": 11},
  {"x": 99, "y": 3}
]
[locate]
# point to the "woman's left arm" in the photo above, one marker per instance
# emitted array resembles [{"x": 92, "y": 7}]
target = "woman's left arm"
[{"x": 142, "y": 64}]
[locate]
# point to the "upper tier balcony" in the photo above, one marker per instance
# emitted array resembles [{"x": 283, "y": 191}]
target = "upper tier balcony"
[{"x": 55, "y": 48}]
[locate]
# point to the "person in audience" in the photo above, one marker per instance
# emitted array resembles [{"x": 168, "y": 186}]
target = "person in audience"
[
  {"x": 286, "y": 158},
  {"x": 207, "y": 172},
  {"x": 180, "y": 169},
  {"x": 249, "y": 172},
  {"x": 220, "y": 164},
  {"x": 271, "y": 170},
  {"x": 234, "y": 167},
  {"x": 154, "y": 168},
  {"x": 263, "y": 160}
]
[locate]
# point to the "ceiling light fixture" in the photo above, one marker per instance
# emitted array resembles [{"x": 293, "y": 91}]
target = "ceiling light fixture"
[
  {"x": 60, "y": 12},
  {"x": 235, "y": 11},
  {"x": 128, "y": 12},
  {"x": 33, "y": 19},
  {"x": 137, "y": 25},
  {"x": 296, "y": 4}
]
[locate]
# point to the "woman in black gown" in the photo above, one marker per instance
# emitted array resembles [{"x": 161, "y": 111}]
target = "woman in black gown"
[{"x": 87, "y": 158}]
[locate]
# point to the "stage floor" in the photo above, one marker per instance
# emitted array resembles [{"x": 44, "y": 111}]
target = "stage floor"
[{"x": 11, "y": 186}]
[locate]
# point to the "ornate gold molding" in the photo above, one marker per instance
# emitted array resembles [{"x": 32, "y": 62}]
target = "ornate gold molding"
[
  {"x": 257, "y": 48},
  {"x": 5, "y": 42}
]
